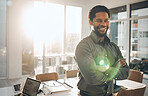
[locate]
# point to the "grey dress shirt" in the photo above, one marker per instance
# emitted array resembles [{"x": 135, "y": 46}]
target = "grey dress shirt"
[{"x": 93, "y": 81}]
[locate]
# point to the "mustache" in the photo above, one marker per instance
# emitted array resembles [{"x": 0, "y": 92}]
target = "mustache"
[{"x": 102, "y": 27}]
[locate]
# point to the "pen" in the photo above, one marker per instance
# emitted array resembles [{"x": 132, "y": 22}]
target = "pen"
[
  {"x": 53, "y": 84},
  {"x": 68, "y": 85},
  {"x": 65, "y": 84}
]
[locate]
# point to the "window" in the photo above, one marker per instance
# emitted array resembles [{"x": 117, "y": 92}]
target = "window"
[
  {"x": 118, "y": 13},
  {"x": 139, "y": 45},
  {"x": 136, "y": 35},
  {"x": 55, "y": 29},
  {"x": 117, "y": 32},
  {"x": 118, "y": 35},
  {"x": 54, "y": 36},
  {"x": 139, "y": 9},
  {"x": 73, "y": 28},
  {"x": 145, "y": 34}
]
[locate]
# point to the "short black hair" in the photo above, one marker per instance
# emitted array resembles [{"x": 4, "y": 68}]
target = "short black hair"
[{"x": 96, "y": 9}]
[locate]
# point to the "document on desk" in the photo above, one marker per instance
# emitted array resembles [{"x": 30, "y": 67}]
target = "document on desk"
[
  {"x": 55, "y": 86},
  {"x": 129, "y": 84},
  {"x": 5, "y": 91}
]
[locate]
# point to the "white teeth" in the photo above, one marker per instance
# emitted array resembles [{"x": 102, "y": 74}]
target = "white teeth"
[{"x": 102, "y": 28}]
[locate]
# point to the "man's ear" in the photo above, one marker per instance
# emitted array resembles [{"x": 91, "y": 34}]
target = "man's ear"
[
  {"x": 109, "y": 24},
  {"x": 90, "y": 22}
]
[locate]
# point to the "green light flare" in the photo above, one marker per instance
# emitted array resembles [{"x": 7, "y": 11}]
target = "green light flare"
[
  {"x": 104, "y": 65},
  {"x": 101, "y": 62},
  {"x": 114, "y": 70}
]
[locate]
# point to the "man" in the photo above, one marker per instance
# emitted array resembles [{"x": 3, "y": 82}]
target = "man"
[{"x": 99, "y": 60}]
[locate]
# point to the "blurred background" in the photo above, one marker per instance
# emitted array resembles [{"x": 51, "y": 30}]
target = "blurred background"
[{"x": 40, "y": 36}]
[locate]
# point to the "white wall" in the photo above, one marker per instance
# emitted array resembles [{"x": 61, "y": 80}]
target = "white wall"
[
  {"x": 14, "y": 40},
  {"x": 15, "y": 11}
]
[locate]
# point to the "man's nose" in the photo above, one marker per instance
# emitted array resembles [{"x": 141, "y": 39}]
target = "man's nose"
[{"x": 103, "y": 23}]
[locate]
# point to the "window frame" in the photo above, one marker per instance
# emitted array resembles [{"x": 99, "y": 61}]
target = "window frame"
[{"x": 129, "y": 18}]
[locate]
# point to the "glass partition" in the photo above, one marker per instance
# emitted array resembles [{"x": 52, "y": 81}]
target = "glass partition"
[
  {"x": 139, "y": 39},
  {"x": 118, "y": 35},
  {"x": 139, "y": 36},
  {"x": 118, "y": 13}
]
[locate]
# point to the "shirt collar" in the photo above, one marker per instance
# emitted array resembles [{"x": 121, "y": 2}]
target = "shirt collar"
[{"x": 98, "y": 40}]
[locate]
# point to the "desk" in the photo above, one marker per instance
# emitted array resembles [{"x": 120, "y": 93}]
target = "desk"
[
  {"x": 129, "y": 84},
  {"x": 66, "y": 93},
  {"x": 131, "y": 88},
  {"x": 72, "y": 92},
  {"x": 9, "y": 91}
]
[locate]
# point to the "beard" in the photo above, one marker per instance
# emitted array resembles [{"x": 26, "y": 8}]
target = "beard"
[{"x": 98, "y": 32}]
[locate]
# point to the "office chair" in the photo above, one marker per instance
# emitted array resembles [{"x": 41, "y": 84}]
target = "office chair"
[
  {"x": 71, "y": 73},
  {"x": 47, "y": 76},
  {"x": 132, "y": 92},
  {"x": 136, "y": 75}
]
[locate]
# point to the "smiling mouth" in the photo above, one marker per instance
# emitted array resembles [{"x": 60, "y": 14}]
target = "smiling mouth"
[{"x": 102, "y": 28}]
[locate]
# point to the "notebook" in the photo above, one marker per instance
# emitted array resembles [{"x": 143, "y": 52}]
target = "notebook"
[
  {"x": 31, "y": 87},
  {"x": 54, "y": 87}
]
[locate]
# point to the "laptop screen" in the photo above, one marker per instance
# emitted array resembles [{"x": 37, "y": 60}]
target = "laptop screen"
[{"x": 31, "y": 87}]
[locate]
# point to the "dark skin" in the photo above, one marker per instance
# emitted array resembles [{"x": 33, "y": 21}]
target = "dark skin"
[
  {"x": 100, "y": 24},
  {"x": 123, "y": 62}
]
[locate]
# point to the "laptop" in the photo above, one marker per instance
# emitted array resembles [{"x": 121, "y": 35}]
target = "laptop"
[{"x": 31, "y": 87}]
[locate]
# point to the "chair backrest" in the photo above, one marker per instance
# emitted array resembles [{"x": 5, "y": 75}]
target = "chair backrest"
[
  {"x": 135, "y": 92},
  {"x": 71, "y": 73},
  {"x": 47, "y": 77},
  {"x": 136, "y": 75}
]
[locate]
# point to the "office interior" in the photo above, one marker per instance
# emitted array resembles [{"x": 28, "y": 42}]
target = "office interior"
[{"x": 40, "y": 36}]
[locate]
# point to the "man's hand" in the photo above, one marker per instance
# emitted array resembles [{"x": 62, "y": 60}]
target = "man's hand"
[{"x": 122, "y": 62}]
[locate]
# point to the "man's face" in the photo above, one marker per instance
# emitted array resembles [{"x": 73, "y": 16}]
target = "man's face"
[{"x": 101, "y": 23}]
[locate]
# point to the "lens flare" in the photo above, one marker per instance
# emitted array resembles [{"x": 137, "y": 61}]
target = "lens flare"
[
  {"x": 114, "y": 70},
  {"x": 104, "y": 65}
]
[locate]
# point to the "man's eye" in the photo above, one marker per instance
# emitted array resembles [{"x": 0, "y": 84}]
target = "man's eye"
[{"x": 106, "y": 21}]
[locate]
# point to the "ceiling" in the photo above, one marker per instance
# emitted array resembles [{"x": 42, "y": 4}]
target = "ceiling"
[{"x": 108, "y": 3}]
